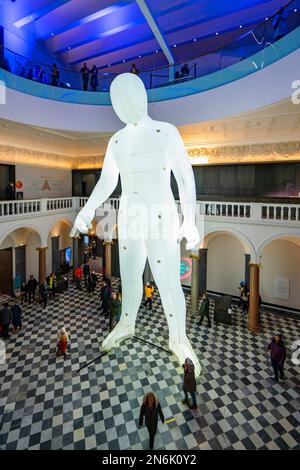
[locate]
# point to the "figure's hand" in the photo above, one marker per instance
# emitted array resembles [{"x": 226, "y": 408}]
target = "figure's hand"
[
  {"x": 191, "y": 234},
  {"x": 83, "y": 221}
]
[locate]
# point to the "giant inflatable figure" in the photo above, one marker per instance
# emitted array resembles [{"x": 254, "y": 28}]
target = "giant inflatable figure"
[{"x": 144, "y": 153}]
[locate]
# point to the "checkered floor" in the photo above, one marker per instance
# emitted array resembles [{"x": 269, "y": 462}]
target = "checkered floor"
[{"x": 48, "y": 403}]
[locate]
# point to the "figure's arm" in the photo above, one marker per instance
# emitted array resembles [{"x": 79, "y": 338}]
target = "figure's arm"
[
  {"x": 103, "y": 189},
  {"x": 183, "y": 173}
]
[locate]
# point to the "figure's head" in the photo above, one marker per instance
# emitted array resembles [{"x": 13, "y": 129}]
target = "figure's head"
[{"x": 129, "y": 98}]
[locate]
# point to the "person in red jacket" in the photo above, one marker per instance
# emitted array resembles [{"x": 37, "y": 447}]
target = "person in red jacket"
[{"x": 78, "y": 275}]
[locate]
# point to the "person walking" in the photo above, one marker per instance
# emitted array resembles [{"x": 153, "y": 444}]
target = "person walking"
[
  {"x": 78, "y": 276},
  {"x": 86, "y": 256},
  {"x": 63, "y": 342},
  {"x": 44, "y": 289},
  {"x": 278, "y": 355},
  {"x": 52, "y": 285},
  {"x": 23, "y": 292},
  {"x": 151, "y": 409},
  {"x": 113, "y": 306},
  {"x": 149, "y": 290},
  {"x": 5, "y": 318},
  {"x": 86, "y": 272},
  {"x": 16, "y": 312},
  {"x": 85, "y": 74},
  {"x": 92, "y": 282},
  {"x": 204, "y": 310},
  {"x": 105, "y": 296},
  {"x": 189, "y": 383},
  {"x": 31, "y": 288},
  {"x": 94, "y": 249}
]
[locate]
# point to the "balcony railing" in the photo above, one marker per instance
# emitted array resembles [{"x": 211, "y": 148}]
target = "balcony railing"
[{"x": 250, "y": 212}]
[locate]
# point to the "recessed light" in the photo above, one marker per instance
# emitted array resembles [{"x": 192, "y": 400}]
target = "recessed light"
[
  {"x": 174, "y": 45},
  {"x": 52, "y": 34},
  {"x": 123, "y": 60},
  {"x": 267, "y": 19},
  {"x": 241, "y": 26},
  {"x": 108, "y": 65},
  {"x": 195, "y": 40},
  {"x": 69, "y": 47},
  {"x": 296, "y": 9},
  {"x": 140, "y": 56},
  {"x": 217, "y": 34},
  {"x": 156, "y": 51}
]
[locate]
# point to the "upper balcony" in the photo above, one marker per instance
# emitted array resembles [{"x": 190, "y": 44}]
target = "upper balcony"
[{"x": 261, "y": 46}]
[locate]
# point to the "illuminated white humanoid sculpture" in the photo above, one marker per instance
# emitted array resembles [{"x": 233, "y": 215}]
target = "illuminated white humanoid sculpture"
[{"x": 144, "y": 153}]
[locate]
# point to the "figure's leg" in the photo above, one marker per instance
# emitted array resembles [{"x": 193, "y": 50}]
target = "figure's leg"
[
  {"x": 164, "y": 260},
  {"x": 132, "y": 255}
]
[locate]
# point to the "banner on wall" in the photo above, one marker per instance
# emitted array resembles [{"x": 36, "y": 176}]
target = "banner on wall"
[
  {"x": 281, "y": 288},
  {"x": 43, "y": 182}
]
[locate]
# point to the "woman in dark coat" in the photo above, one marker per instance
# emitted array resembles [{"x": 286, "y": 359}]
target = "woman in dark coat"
[
  {"x": 189, "y": 383},
  {"x": 151, "y": 409},
  {"x": 278, "y": 355},
  {"x": 16, "y": 313}
]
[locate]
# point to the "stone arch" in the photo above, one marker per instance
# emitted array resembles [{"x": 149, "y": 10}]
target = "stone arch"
[
  {"x": 30, "y": 227},
  {"x": 245, "y": 242},
  {"x": 276, "y": 236}
]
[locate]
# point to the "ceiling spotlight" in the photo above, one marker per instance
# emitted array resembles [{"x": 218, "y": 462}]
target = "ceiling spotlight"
[
  {"x": 195, "y": 40},
  {"x": 267, "y": 19},
  {"x": 241, "y": 26},
  {"x": 108, "y": 65},
  {"x": 217, "y": 34},
  {"x": 52, "y": 34},
  {"x": 123, "y": 60},
  {"x": 174, "y": 45},
  {"x": 69, "y": 47},
  {"x": 296, "y": 9},
  {"x": 156, "y": 51},
  {"x": 140, "y": 56}
]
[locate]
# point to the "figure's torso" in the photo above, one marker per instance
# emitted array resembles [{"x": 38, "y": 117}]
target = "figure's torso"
[{"x": 141, "y": 155}]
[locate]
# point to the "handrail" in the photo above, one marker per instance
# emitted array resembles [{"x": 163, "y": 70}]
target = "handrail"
[
  {"x": 104, "y": 76},
  {"x": 250, "y": 212}
]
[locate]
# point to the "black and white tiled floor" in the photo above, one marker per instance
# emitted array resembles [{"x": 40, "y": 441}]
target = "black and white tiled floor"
[{"x": 48, "y": 403}]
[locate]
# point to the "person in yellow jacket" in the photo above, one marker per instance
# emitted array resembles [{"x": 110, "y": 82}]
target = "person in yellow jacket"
[{"x": 149, "y": 289}]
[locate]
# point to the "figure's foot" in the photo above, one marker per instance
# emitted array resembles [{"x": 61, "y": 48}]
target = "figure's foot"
[
  {"x": 117, "y": 335},
  {"x": 183, "y": 351}
]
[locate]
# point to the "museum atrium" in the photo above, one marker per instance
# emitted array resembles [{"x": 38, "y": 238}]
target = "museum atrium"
[{"x": 180, "y": 275}]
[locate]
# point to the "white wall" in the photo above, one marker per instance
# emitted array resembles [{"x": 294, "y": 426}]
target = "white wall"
[
  {"x": 32, "y": 256},
  {"x": 280, "y": 258},
  {"x": 225, "y": 264},
  {"x": 43, "y": 182}
]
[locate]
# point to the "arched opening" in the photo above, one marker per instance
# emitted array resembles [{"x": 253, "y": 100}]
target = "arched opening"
[
  {"x": 18, "y": 258},
  {"x": 60, "y": 251},
  {"x": 280, "y": 272},
  {"x": 227, "y": 265}
]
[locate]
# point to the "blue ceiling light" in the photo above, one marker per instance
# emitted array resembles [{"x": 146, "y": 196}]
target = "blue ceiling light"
[
  {"x": 123, "y": 60},
  {"x": 195, "y": 40},
  {"x": 217, "y": 34},
  {"x": 40, "y": 12},
  {"x": 241, "y": 26},
  {"x": 296, "y": 9},
  {"x": 175, "y": 45}
]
